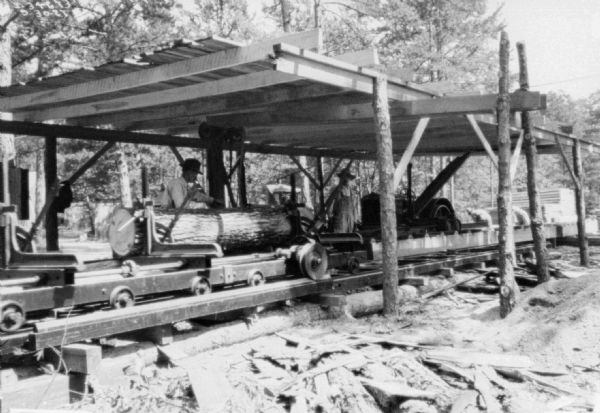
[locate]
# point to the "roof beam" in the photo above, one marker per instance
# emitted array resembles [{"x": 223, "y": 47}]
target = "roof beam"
[
  {"x": 213, "y": 61},
  {"x": 319, "y": 68},
  {"x": 457, "y": 105}
]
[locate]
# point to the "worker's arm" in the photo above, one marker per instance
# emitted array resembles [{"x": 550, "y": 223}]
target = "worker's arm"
[{"x": 201, "y": 196}]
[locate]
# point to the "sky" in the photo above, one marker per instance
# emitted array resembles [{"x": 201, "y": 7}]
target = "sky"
[{"x": 562, "y": 40}]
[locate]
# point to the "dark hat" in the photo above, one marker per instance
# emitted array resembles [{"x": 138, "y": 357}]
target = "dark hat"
[
  {"x": 346, "y": 174},
  {"x": 191, "y": 164}
]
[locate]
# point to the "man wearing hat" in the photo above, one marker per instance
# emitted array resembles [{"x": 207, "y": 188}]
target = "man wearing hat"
[
  {"x": 343, "y": 210},
  {"x": 177, "y": 189}
]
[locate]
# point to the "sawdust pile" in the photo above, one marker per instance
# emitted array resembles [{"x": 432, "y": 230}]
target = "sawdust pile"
[{"x": 556, "y": 323}]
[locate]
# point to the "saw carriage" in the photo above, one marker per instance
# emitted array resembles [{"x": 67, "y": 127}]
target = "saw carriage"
[{"x": 159, "y": 252}]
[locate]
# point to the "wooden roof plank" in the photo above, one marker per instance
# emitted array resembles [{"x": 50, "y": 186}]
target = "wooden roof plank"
[
  {"x": 162, "y": 97},
  {"x": 209, "y": 62}
]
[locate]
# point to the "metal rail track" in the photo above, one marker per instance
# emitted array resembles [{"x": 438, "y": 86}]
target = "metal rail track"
[{"x": 61, "y": 331}]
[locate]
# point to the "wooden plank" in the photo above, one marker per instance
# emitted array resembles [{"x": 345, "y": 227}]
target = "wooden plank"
[
  {"x": 189, "y": 67},
  {"x": 457, "y": 105},
  {"x": 174, "y": 95},
  {"x": 409, "y": 151},
  {"x": 188, "y": 112},
  {"x": 469, "y": 358},
  {"x": 483, "y": 140}
]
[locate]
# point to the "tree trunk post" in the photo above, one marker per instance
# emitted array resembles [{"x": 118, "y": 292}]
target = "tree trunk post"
[
  {"x": 584, "y": 256},
  {"x": 509, "y": 290},
  {"x": 50, "y": 175},
  {"x": 387, "y": 202},
  {"x": 535, "y": 207}
]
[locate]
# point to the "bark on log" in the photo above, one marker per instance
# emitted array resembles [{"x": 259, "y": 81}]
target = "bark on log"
[
  {"x": 584, "y": 255},
  {"x": 535, "y": 207},
  {"x": 236, "y": 230},
  {"x": 506, "y": 260},
  {"x": 387, "y": 212}
]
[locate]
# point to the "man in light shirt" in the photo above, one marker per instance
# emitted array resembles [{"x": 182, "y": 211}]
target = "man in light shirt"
[{"x": 177, "y": 189}]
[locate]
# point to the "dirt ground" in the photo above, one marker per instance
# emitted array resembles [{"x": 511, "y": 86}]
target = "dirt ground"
[{"x": 557, "y": 325}]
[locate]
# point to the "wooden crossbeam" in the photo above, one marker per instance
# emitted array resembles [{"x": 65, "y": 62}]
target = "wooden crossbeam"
[
  {"x": 332, "y": 172},
  {"x": 516, "y": 156},
  {"x": 410, "y": 150},
  {"x": 303, "y": 63},
  {"x": 483, "y": 140},
  {"x": 456, "y": 105},
  {"x": 177, "y": 154},
  {"x": 574, "y": 177},
  {"x": 213, "y": 61},
  {"x": 90, "y": 162}
]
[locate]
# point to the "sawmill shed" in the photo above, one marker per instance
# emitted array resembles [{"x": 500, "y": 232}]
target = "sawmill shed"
[{"x": 277, "y": 96}]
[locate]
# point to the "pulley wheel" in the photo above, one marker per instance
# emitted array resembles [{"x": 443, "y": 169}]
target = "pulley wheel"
[
  {"x": 200, "y": 286},
  {"x": 312, "y": 260},
  {"x": 12, "y": 316},
  {"x": 122, "y": 232},
  {"x": 256, "y": 278},
  {"x": 122, "y": 297}
]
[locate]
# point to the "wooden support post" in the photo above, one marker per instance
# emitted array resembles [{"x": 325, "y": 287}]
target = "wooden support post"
[
  {"x": 509, "y": 290},
  {"x": 387, "y": 188},
  {"x": 241, "y": 176},
  {"x": 410, "y": 150},
  {"x": 51, "y": 177},
  {"x": 584, "y": 255},
  {"x": 321, "y": 186},
  {"x": 535, "y": 205}
]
